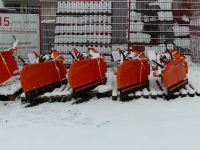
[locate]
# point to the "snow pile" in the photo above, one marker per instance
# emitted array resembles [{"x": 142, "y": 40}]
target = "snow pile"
[
  {"x": 82, "y": 19},
  {"x": 182, "y": 42},
  {"x": 121, "y": 46},
  {"x": 48, "y": 21},
  {"x": 195, "y": 21},
  {"x": 136, "y": 26},
  {"x": 165, "y": 15},
  {"x": 82, "y": 48},
  {"x": 83, "y": 29},
  {"x": 150, "y": 48},
  {"x": 1, "y": 4},
  {"x": 163, "y": 4},
  {"x": 109, "y": 84},
  {"x": 181, "y": 30},
  {"x": 185, "y": 18},
  {"x": 194, "y": 75},
  {"x": 159, "y": 49},
  {"x": 84, "y": 7},
  {"x": 96, "y": 38},
  {"x": 140, "y": 38},
  {"x": 133, "y": 5},
  {"x": 13, "y": 86},
  {"x": 151, "y": 53},
  {"x": 134, "y": 16}
]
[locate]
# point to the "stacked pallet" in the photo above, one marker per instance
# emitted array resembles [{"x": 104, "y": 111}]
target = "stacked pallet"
[
  {"x": 155, "y": 90},
  {"x": 62, "y": 94}
]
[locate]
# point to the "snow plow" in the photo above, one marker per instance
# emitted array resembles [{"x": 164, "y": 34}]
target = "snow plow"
[
  {"x": 174, "y": 74},
  {"x": 171, "y": 71},
  {"x": 9, "y": 74},
  {"x": 132, "y": 74},
  {"x": 86, "y": 72},
  {"x": 47, "y": 74},
  {"x": 168, "y": 78},
  {"x": 8, "y": 65}
]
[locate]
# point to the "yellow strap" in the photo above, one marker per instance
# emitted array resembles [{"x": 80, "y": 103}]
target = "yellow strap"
[
  {"x": 4, "y": 62},
  {"x": 142, "y": 66},
  {"x": 174, "y": 53},
  {"x": 98, "y": 62}
]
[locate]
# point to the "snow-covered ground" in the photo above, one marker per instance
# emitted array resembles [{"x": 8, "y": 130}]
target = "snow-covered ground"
[{"x": 103, "y": 124}]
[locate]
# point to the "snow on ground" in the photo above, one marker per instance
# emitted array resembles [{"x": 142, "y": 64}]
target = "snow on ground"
[{"x": 103, "y": 124}]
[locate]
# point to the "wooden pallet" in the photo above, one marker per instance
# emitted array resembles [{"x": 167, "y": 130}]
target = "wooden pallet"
[
  {"x": 157, "y": 90},
  {"x": 61, "y": 94},
  {"x": 10, "y": 89}
]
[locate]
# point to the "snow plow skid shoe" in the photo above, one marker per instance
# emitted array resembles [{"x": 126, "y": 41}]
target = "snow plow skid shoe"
[{"x": 36, "y": 79}]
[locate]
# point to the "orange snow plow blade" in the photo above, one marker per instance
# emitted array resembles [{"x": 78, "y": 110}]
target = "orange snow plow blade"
[
  {"x": 133, "y": 75},
  {"x": 8, "y": 66},
  {"x": 174, "y": 74},
  {"x": 86, "y": 74},
  {"x": 36, "y": 79}
]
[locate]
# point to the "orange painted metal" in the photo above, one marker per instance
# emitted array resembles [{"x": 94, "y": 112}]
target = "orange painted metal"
[
  {"x": 86, "y": 73},
  {"x": 132, "y": 74},
  {"x": 175, "y": 71},
  {"x": 35, "y": 76},
  {"x": 8, "y": 65},
  {"x": 56, "y": 55}
]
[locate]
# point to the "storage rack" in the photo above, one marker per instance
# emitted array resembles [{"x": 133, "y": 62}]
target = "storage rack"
[
  {"x": 136, "y": 36},
  {"x": 83, "y": 24},
  {"x": 170, "y": 29},
  {"x": 182, "y": 37}
]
